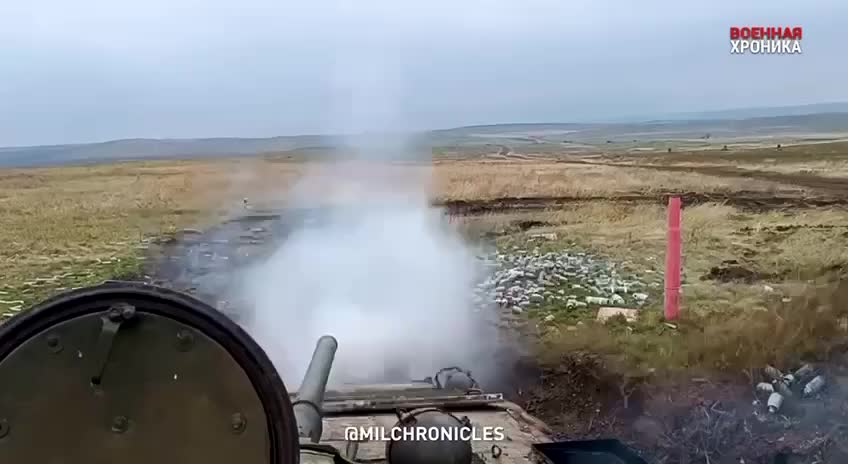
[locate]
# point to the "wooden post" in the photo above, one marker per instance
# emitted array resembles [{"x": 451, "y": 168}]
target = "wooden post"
[{"x": 672, "y": 261}]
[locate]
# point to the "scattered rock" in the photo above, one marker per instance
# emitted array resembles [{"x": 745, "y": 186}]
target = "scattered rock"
[
  {"x": 597, "y": 300},
  {"x": 524, "y": 278},
  {"x": 607, "y": 312}
]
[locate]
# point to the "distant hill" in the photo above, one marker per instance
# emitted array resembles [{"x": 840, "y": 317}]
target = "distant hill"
[
  {"x": 156, "y": 148},
  {"x": 762, "y": 112},
  {"x": 809, "y": 119}
]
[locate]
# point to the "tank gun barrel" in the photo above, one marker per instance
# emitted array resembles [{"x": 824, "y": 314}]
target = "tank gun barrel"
[{"x": 310, "y": 396}]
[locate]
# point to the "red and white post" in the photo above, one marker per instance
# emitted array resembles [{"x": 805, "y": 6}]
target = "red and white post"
[{"x": 672, "y": 261}]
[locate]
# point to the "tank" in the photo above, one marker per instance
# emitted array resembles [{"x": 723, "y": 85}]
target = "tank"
[{"x": 137, "y": 374}]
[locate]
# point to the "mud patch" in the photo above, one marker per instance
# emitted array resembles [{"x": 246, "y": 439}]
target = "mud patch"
[
  {"x": 527, "y": 225},
  {"x": 732, "y": 273},
  {"x": 792, "y": 227}
]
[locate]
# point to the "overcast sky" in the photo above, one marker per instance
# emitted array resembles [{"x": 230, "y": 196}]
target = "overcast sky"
[{"x": 94, "y": 70}]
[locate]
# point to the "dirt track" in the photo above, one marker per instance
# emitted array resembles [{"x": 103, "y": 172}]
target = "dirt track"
[
  {"x": 751, "y": 200},
  {"x": 828, "y": 191},
  {"x": 824, "y": 185}
]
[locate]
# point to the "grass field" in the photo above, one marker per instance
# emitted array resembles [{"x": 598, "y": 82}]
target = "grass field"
[{"x": 76, "y": 225}]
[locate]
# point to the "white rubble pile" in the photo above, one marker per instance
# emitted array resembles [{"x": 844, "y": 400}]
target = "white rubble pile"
[{"x": 573, "y": 279}]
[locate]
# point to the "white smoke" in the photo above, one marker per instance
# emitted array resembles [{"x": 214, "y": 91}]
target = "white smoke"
[{"x": 383, "y": 272}]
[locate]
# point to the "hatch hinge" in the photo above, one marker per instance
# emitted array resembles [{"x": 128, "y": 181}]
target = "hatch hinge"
[{"x": 111, "y": 322}]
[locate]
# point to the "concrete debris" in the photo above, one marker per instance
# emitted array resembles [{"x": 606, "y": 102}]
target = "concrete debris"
[
  {"x": 773, "y": 373},
  {"x": 804, "y": 371},
  {"x": 606, "y": 313},
  {"x": 783, "y": 388},
  {"x": 765, "y": 387},
  {"x": 794, "y": 388},
  {"x": 532, "y": 278},
  {"x": 814, "y": 386},
  {"x": 775, "y": 401},
  {"x": 549, "y": 236},
  {"x": 597, "y": 300}
]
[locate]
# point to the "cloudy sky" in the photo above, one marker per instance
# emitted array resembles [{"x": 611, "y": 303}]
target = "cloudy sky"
[{"x": 94, "y": 70}]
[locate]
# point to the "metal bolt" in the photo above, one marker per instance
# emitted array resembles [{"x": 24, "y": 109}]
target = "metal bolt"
[
  {"x": 4, "y": 428},
  {"x": 128, "y": 312},
  {"x": 185, "y": 340},
  {"x": 238, "y": 423},
  {"x": 120, "y": 424},
  {"x": 53, "y": 343},
  {"x": 121, "y": 312}
]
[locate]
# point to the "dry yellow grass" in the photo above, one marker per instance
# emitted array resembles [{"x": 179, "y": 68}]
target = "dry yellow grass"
[
  {"x": 491, "y": 179},
  {"x": 70, "y": 226},
  {"x": 77, "y": 210},
  {"x": 828, "y": 159},
  {"x": 837, "y": 169},
  {"x": 78, "y": 224}
]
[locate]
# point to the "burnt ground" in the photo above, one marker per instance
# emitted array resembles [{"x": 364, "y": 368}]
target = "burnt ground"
[
  {"x": 691, "y": 420},
  {"x": 205, "y": 262},
  {"x": 703, "y": 416}
]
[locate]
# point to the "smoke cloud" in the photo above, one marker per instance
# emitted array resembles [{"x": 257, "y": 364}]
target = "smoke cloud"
[{"x": 380, "y": 269}]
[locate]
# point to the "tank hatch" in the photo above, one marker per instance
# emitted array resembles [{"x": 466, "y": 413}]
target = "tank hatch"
[{"x": 137, "y": 374}]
